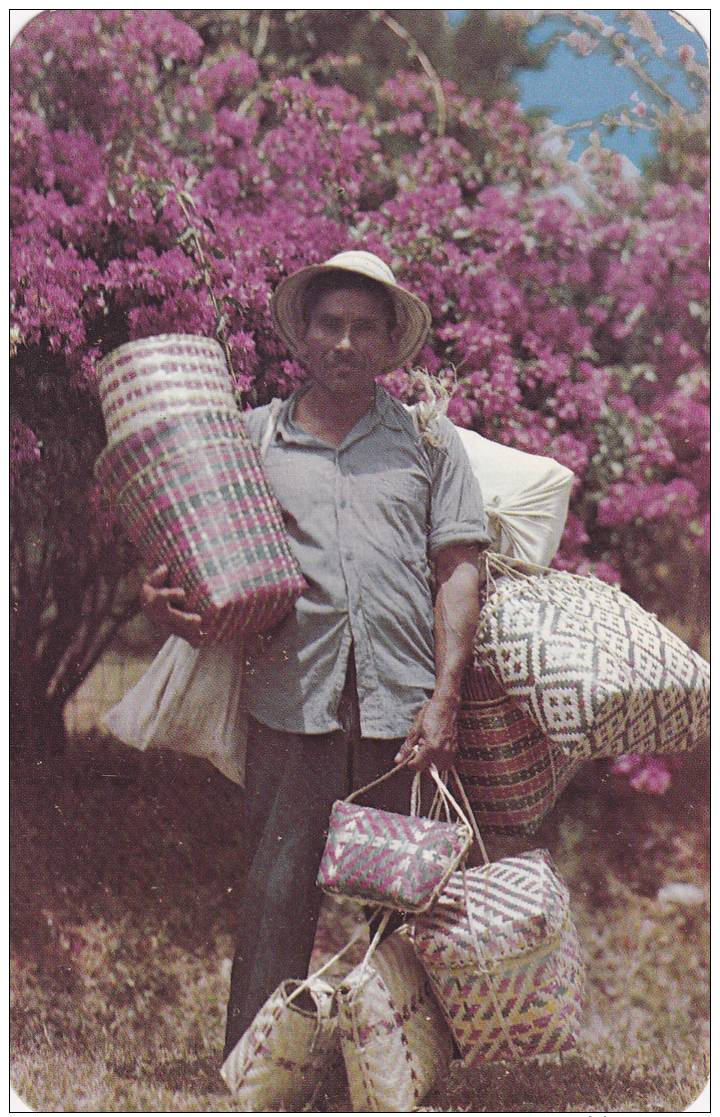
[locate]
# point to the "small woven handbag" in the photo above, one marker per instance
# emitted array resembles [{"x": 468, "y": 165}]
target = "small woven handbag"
[
  {"x": 280, "y": 1061},
  {"x": 396, "y": 861},
  {"x": 394, "y": 1040},
  {"x": 502, "y": 953},
  {"x": 511, "y": 772},
  {"x": 598, "y": 675}
]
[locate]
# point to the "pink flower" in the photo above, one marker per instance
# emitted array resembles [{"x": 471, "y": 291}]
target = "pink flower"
[
  {"x": 647, "y": 773},
  {"x": 581, "y": 43},
  {"x": 686, "y": 53}
]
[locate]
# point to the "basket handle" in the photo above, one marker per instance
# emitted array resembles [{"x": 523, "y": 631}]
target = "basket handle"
[{"x": 442, "y": 793}]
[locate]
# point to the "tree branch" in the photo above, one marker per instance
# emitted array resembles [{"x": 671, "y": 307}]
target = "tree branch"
[
  {"x": 432, "y": 74},
  {"x": 262, "y": 33}
]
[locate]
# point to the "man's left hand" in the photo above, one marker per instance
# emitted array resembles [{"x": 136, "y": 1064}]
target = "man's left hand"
[{"x": 433, "y": 737}]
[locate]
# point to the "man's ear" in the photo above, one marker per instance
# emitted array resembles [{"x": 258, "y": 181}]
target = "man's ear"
[{"x": 394, "y": 339}]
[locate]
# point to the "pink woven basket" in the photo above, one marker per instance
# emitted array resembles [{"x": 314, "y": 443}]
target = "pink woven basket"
[
  {"x": 191, "y": 493},
  {"x": 162, "y": 377},
  {"x": 512, "y": 773}
]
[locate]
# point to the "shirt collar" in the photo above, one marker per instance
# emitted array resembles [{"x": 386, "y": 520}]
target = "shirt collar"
[{"x": 384, "y": 410}]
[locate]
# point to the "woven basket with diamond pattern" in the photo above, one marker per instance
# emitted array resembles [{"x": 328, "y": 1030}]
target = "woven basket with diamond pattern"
[
  {"x": 502, "y": 953},
  {"x": 512, "y": 773},
  {"x": 597, "y": 674},
  {"x": 394, "y": 1040}
]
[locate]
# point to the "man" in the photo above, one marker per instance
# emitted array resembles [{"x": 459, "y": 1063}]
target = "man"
[{"x": 366, "y": 669}]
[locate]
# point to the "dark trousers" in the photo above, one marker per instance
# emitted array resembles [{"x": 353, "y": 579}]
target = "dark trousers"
[{"x": 292, "y": 782}]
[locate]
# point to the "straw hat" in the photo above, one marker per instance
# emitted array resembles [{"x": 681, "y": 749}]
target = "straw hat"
[{"x": 413, "y": 316}]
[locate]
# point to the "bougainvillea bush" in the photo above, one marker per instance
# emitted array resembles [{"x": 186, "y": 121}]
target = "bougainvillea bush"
[{"x": 569, "y": 302}]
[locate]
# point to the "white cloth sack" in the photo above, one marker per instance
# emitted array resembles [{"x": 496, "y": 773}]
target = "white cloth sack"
[
  {"x": 526, "y": 497},
  {"x": 188, "y": 700}
]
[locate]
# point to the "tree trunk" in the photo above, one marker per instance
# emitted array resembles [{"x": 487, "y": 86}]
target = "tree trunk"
[{"x": 37, "y": 726}]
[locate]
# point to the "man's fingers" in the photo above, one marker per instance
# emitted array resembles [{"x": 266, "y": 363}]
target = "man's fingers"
[
  {"x": 192, "y": 620},
  {"x": 426, "y": 755},
  {"x": 186, "y": 625},
  {"x": 172, "y": 593},
  {"x": 157, "y": 576},
  {"x": 407, "y": 749}
]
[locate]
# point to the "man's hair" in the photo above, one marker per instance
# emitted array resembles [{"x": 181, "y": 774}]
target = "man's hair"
[{"x": 320, "y": 285}]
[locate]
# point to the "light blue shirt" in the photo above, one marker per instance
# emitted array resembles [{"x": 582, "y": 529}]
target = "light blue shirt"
[{"x": 364, "y": 520}]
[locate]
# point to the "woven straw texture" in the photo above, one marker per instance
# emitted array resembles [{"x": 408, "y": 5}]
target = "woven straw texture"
[
  {"x": 400, "y": 861},
  {"x": 191, "y": 493},
  {"x": 393, "y": 1037},
  {"x": 340, "y": 918},
  {"x": 597, "y": 674},
  {"x": 526, "y": 997},
  {"x": 511, "y": 772},
  {"x": 162, "y": 377},
  {"x": 279, "y": 1061}
]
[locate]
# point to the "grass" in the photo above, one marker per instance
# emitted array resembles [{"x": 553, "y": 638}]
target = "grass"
[{"x": 124, "y": 880}]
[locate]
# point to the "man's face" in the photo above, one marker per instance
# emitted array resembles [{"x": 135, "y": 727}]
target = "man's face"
[{"x": 348, "y": 342}]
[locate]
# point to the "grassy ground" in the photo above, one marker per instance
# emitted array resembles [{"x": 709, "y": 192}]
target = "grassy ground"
[{"x": 126, "y": 870}]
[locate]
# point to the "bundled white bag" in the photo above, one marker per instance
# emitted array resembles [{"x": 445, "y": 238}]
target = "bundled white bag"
[
  {"x": 188, "y": 700},
  {"x": 526, "y": 497}
]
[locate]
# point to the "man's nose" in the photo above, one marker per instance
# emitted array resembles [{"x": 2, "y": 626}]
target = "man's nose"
[{"x": 343, "y": 342}]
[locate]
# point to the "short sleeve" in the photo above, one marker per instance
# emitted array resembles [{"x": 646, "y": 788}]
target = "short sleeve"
[
  {"x": 457, "y": 514},
  {"x": 255, "y": 421}
]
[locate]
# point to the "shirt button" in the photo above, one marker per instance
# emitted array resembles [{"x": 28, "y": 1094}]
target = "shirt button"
[
  {"x": 348, "y": 556},
  {"x": 343, "y": 503}
]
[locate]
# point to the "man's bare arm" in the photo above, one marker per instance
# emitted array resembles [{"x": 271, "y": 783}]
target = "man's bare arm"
[{"x": 457, "y": 607}]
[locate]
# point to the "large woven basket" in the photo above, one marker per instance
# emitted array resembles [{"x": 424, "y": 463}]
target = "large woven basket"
[
  {"x": 598, "y": 674},
  {"x": 162, "y": 377},
  {"x": 502, "y": 953},
  {"x": 191, "y": 493},
  {"x": 511, "y": 772}
]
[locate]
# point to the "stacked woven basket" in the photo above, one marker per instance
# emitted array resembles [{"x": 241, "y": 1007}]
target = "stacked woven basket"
[
  {"x": 489, "y": 965},
  {"x": 188, "y": 484}
]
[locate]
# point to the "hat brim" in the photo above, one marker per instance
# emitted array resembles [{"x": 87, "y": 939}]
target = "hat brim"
[{"x": 413, "y": 316}]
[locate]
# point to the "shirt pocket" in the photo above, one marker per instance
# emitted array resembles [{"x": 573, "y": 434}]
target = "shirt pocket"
[{"x": 395, "y": 508}]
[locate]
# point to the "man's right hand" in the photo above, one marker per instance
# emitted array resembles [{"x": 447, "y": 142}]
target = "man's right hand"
[{"x": 160, "y": 604}]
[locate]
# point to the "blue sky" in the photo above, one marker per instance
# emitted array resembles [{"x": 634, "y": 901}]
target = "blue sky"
[{"x": 572, "y": 88}]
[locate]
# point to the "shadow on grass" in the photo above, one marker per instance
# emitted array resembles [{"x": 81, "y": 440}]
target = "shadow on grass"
[
  {"x": 105, "y": 831},
  {"x": 126, "y": 870}
]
